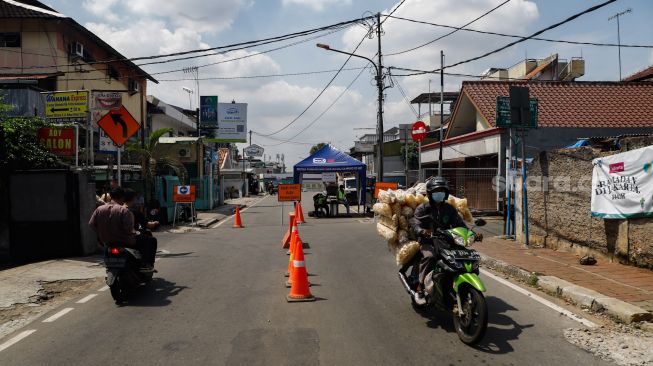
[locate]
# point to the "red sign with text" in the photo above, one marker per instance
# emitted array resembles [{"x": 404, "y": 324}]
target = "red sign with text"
[{"x": 60, "y": 141}]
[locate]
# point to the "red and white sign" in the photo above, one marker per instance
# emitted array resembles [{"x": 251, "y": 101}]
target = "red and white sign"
[
  {"x": 183, "y": 193},
  {"x": 419, "y": 131},
  {"x": 60, "y": 141}
]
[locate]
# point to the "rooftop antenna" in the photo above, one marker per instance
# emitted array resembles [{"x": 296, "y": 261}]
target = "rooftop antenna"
[{"x": 617, "y": 16}]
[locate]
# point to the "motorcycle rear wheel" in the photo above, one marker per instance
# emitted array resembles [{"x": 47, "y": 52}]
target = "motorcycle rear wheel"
[
  {"x": 471, "y": 326},
  {"x": 117, "y": 291}
]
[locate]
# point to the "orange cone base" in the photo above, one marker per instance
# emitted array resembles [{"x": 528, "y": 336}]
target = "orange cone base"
[{"x": 305, "y": 298}]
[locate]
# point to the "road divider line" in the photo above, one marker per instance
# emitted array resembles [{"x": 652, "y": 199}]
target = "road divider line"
[
  {"x": 86, "y": 299},
  {"x": 16, "y": 339},
  {"x": 541, "y": 300},
  {"x": 58, "y": 315},
  {"x": 104, "y": 288},
  {"x": 243, "y": 210}
]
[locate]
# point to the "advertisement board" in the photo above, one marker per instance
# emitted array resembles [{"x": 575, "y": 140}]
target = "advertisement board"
[
  {"x": 232, "y": 123},
  {"x": 60, "y": 141},
  {"x": 66, "y": 106},
  {"x": 209, "y": 111},
  {"x": 622, "y": 185}
]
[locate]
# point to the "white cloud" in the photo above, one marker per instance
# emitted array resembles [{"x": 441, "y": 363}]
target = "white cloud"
[
  {"x": 200, "y": 15},
  {"x": 317, "y": 5},
  {"x": 102, "y": 8}
]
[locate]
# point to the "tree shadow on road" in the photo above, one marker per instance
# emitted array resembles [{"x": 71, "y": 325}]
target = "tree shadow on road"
[
  {"x": 154, "y": 294},
  {"x": 497, "y": 339}
]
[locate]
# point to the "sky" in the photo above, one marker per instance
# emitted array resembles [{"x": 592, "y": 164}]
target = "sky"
[{"x": 348, "y": 107}]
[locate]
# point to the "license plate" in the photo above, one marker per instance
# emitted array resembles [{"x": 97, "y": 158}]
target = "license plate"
[{"x": 115, "y": 262}]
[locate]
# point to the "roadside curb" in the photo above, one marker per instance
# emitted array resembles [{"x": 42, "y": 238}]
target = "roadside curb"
[{"x": 581, "y": 296}]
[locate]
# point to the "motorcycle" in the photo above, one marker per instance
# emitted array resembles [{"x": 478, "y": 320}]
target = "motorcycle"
[
  {"x": 125, "y": 270},
  {"x": 454, "y": 284}
]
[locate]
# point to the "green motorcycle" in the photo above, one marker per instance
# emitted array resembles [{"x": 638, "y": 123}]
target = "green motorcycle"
[{"x": 454, "y": 285}]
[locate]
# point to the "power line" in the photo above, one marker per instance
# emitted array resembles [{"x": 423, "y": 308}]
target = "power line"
[
  {"x": 401, "y": 90},
  {"x": 569, "y": 19},
  {"x": 450, "y": 33},
  {"x": 321, "y": 92},
  {"x": 202, "y": 50},
  {"x": 519, "y": 36},
  {"x": 323, "y": 112}
]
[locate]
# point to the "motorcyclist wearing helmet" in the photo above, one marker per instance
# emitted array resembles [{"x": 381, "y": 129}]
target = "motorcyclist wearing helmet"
[{"x": 428, "y": 217}]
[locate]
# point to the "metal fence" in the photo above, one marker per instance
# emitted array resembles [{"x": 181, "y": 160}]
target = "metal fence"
[{"x": 475, "y": 184}]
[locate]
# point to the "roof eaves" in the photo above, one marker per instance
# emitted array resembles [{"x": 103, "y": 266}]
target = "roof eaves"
[{"x": 35, "y": 8}]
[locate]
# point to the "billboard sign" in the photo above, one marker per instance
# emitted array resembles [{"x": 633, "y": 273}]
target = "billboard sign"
[
  {"x": 66, "y": 106},
  {"x": 232, "y": 123},
  {"x": 209, "y": 111},
  {"x": 60, "y": 141}
]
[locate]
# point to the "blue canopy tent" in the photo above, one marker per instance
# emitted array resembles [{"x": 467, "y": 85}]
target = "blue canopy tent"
[{"x": 330, "y": 159}]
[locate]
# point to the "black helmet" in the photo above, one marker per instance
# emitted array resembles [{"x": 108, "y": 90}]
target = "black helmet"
[{"x": 436, "y": 183}]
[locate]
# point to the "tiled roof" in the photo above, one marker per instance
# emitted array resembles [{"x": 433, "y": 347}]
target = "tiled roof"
[
  {"x": 26, "y": 9},
  {"x": 572, "y": 104},
  {"x": 647, "y": 73}
]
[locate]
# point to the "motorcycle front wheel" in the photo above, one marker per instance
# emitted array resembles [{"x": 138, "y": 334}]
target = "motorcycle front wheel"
[{"x": 471, "y": 321}]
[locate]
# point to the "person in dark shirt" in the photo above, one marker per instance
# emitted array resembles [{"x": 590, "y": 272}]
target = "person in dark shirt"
[
  {"x": 144, "y": 239},
  {"x": 429, "y": 217}
]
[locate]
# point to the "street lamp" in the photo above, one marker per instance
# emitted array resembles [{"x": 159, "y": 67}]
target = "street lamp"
[
  {"x": 189, "y": 91},
  {"x": 379, "y": 84}
]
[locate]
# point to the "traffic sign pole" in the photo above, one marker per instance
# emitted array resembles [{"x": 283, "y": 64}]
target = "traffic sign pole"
[{"x": 119, "y": 172}]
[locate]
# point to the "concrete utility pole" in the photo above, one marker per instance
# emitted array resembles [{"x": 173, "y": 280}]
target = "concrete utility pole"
[
  {"x": 379, "y": 84},
  {"x": 617, "y": 16},
  {"x": 441, "y": 110}
]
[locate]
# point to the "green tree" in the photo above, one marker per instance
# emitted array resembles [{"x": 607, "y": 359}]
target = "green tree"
[
  {"x": 19, "y": 144},
  {"x": 413, "y": 154},
  {"x": 153, "y": 163},
  {"x": 317, "y": 147}
]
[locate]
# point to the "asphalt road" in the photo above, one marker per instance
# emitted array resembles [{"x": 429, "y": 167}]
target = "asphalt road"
[{"x": 219, "y": 299}]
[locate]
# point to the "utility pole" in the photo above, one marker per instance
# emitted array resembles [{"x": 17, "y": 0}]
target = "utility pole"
[
  {"x": 616, "y": 16},
  {"x": 441, "y": 110},
  {"x": 250, "y": 137},
  {"x": 379, "y": 84}
]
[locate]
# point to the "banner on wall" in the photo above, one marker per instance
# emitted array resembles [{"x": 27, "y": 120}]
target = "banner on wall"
[{"x": 622, "y": 185}]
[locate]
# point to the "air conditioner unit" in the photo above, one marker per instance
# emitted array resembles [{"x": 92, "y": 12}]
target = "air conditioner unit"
[
  {"x": 184, "y": 152},
  {"x": 132, "y": 85},
  {"x": 79, "y": 49}
]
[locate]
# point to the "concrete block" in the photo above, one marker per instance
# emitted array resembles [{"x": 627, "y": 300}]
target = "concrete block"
[
  {"x": 580, "y": 295},
  {"x": 621, "y": 310},
  {"x": 553, "y": 284}
]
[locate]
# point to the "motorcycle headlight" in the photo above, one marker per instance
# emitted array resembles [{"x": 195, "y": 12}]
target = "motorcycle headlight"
[{"x": 460, "y": 241}]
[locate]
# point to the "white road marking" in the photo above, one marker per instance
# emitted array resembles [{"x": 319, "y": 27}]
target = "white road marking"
[
  {"x": 86, "y": 299},
  {"x": 58, "y": 315},
  {"x": 541, "y": 300},
  {"x": 16, "y": 339},
  {"x": 104, "y": 288},
  {"x": 243, "y": 210}
]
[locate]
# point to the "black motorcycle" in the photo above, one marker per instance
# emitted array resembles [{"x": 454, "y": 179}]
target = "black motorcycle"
[
  {"x": 125, "y": 270},
  {"x": 454, "y": 285}
]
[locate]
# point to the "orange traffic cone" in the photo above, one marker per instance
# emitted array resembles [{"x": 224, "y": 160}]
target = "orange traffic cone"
[
  {"x": 299, "y": 277},
  {"x": 285, "y": 242},
  {"x": 300, "y": 213},
  {"x": 293, "y": 243},
  {"x": 237, "y": 221}
]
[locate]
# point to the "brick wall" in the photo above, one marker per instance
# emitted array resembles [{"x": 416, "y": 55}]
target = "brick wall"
[{"x": 559, "y": 196}]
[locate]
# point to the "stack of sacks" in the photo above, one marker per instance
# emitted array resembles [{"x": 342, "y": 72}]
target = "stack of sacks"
[{"x": 393, "y": 211}]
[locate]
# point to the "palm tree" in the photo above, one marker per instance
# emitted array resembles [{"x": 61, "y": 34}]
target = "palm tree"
[{"x": 153, "y": 163}]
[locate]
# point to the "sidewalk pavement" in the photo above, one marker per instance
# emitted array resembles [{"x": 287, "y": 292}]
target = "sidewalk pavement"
[
  {"x": 621, "y": 291},
  {"x": 208, "y": 218}
]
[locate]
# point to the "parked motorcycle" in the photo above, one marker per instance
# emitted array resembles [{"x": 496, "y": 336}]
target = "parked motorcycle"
[
  {"x": 125, "y": 270},
  {"x": 454, "y": 285}
]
